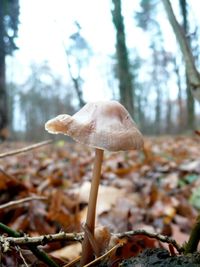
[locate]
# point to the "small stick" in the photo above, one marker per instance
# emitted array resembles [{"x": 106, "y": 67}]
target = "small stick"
[
  {"x": 25, "y": 149},
  {"x": 20, "y": 201},
  {"x": 43, "y": 239},
  {"x": 162, "y": 238},
  {"x": 40, "y": 254},
  {"x": 104, "y": 255},
  {"x": 7, "y": 175},
  {"x": 21, "y": 255},
  {"x": 71, "y": 263}
]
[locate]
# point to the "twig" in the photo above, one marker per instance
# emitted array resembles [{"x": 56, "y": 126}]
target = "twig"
[
  {"x": 44, "y": 239},
  {"x": 162, "y": 238},
  {"x": 40, "y": 254},
  {"x": 71, "y": 263},
  {"x": 110, "y": 251},
  {"x": 25, "y": 149},
  {"x": 32, "y": 242},
  {"x": 20, "y": 201},
  {"x": 21, "y": 255},
  {"x": 8, "y": 175},
  {"x": 104, "y": 255}
]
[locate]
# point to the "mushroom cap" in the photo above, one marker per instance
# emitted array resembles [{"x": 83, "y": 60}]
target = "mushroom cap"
[{"x": 104, "y": 125}]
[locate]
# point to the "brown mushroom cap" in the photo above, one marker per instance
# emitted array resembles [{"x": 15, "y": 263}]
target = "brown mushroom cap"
[{"x": 105, "y": 125}]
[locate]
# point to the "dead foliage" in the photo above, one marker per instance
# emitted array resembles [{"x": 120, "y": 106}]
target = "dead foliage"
[{"x": 157, "y": 189}]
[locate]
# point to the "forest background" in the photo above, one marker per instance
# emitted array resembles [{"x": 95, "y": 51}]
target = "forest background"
[
  {"x": 52, "y": 62},
  {"x": 54, "y": 57}
]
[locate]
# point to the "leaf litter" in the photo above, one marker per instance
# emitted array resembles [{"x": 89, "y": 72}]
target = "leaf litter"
[{"x": 156, "y": 189}]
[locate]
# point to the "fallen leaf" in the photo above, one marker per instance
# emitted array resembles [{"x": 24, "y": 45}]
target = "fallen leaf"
[
  {"x": 69, "y": 252},
  {"x": 107, "y": 196}
]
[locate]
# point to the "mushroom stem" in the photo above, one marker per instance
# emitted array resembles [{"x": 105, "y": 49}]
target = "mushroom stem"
[{"x": 87, "y": 253}]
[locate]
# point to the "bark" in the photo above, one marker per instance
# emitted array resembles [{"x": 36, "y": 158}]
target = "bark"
[
  {"x": 123, "y": 65},
  {"x": 191, "y": 70}
]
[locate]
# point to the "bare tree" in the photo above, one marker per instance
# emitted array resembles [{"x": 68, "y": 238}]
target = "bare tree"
[
  {"x": 78, "y": 54},
  {"x": 42, "y": 96},
  {"x": 191, "y": 70}
]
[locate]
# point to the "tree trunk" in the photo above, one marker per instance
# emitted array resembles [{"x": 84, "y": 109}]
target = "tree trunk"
[
  {"x": 158, "y": 111},
  {"x": 123, "y": 65},
  {"x": 181, "y": 111},
  {"x": 191, "y": 70},
  {"x": 190, "y": 100},
  {"x": 190, "y": 106},
  {"x": 3, "y": 94},
  {"x": 169, "y": 115}
]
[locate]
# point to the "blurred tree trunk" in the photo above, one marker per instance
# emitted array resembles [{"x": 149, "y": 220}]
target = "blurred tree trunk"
[
  {"x": 169, "y": 126},
  {"x": 190, "y": 100},
  {"x": 123, "y": 66},
  {"x": 3, "y": 94},
  {"x": 193, "y": 76},
  {"x": 181, "y": 111},
  {"x": 9, "y": 13},
  {"x": 158, "y": 110},
  {"x": 141, "y": 102}
]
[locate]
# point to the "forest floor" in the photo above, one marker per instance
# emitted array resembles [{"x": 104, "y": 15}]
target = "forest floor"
[{"x": 157, "y": 189}]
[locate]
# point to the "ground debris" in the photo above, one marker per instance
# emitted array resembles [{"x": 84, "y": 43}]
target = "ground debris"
[
  {"x": 156, "y": 189},
  {"x": 161, "y": 258}
]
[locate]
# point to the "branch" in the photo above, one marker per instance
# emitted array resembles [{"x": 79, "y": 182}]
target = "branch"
[
  {"x": 25, "y": 149},
  {"x": 75, "y": 80},
  {"x": 40, "y": 254},
  {"x": 191, "y": 69},
  {"x": 45, "y": 239},
  {"x": 8, "y": 175},
  {"x": 20, "y": 201},
  {"x": 162, "y": 238}
]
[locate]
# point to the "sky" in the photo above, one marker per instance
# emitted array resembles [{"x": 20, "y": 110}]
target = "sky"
[{"x": 46, "y": 24}]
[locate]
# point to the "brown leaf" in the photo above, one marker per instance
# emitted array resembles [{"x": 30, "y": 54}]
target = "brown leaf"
[{"x": 64, "y": 211}]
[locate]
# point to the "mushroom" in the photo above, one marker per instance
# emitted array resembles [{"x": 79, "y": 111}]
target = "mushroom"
[{"x": 104, "y": 125}]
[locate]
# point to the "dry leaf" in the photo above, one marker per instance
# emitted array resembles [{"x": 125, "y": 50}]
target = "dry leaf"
[{"x": 69, "y": 252}]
